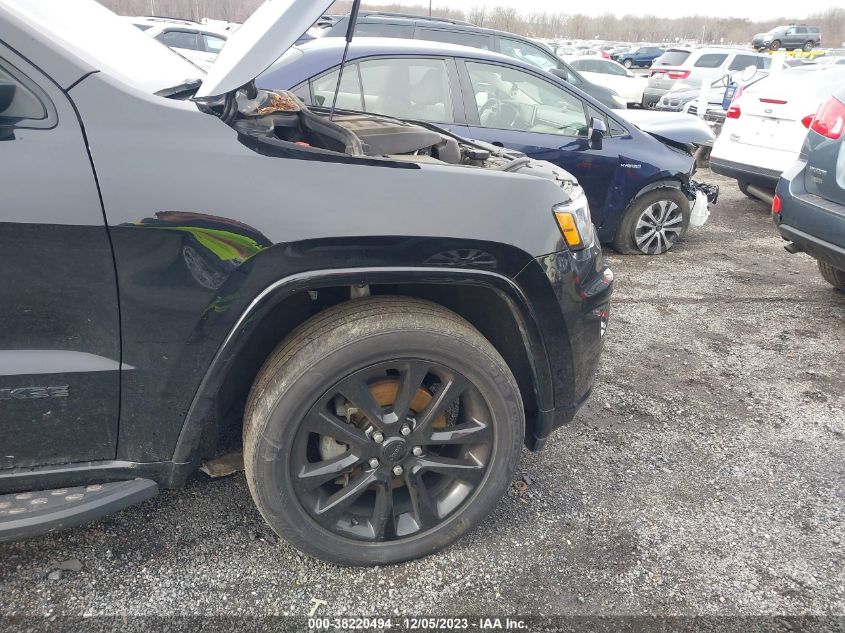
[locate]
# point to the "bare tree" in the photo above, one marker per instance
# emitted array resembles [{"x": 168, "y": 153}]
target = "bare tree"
[{"x": 628, "y": 28}]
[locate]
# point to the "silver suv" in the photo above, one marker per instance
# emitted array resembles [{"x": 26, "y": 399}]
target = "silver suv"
[{"x": 701, "y": 65}]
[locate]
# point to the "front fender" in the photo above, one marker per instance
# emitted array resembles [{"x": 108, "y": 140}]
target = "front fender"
[{"x": 203, "y": 403}]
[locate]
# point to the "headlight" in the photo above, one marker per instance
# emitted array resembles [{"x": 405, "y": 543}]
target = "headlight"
[{"x": 573, "y": 219}]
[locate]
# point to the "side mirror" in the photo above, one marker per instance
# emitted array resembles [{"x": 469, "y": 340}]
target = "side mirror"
[
  {"x": 748, "y": 73},
  {"x": 596, "y": 133},
  {"x": 7, "y": 94},
  {"x": 560, "y": 72}
]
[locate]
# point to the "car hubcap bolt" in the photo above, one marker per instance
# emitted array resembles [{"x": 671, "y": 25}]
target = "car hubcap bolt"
[
  {"x": 374, "y": 463},
  {"x": 417, "y": 451},
  {"x": 378, "y": 437},
  {"x": 406, "y": 430},
  {"x": 398, "y": 470}
]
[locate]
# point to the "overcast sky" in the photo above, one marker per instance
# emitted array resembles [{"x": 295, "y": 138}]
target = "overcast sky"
[{"x": 666, "y": 8}]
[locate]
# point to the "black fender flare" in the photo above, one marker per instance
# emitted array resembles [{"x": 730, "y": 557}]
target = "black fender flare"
[{"x": 203, "y": 402}]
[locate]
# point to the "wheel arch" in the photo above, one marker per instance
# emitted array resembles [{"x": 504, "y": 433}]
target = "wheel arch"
[{"x": 476, "y": 295}]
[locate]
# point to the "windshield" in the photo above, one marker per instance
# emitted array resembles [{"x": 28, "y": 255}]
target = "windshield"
[{"x": 99, "y": 38}]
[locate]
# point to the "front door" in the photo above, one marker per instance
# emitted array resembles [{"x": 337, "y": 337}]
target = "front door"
[
  {"x": 522, "y": 111},
  {"x": 59, "y": 327}
]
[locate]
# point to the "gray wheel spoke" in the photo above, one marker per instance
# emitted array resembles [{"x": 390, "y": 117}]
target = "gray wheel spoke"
[
  {"x": 315, "y": 474},
  {"x": 448, "y": 393},
  {"x": 467, "y": 433},
  {"x": 323, "y": 423},
  {"x": 462, "y": 470},
  {"x": 646, "y": 236},
  {"x": 328, "y": 510},
  {"x": 423, "y": 504},
  {"x": 357, "y": 392},
  {"x": 383, "y": 519},
  {"x": 412, "y": 376}
]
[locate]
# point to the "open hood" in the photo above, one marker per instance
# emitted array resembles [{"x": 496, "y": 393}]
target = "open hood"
[
  {"x": 268, "y": 33},
  {"x": 674, "y": 126}
]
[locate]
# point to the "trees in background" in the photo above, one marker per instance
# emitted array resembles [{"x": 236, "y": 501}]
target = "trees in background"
[{"x": 627, "y": 28}]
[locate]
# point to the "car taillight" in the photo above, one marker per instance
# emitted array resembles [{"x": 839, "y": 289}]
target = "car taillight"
[
  {"x": 774, "y": 101},
  {"x": 776, "y": 204},
  {"x": 678, "y": 74},
  {"x": 830, "y": 119},
  {"x": 807, "y": 120},
  {"x": 733, "y": 112}
]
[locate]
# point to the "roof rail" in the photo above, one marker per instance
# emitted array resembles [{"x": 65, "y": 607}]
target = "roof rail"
[
  {"x": 167, "y": 17},
  {"x": 411, "y": 16}
]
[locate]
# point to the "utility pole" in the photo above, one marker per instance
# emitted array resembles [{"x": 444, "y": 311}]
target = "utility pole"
[{"x": 429, "y": 8}]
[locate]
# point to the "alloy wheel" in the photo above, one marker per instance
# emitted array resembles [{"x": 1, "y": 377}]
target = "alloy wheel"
[
  {"x": 392, "y": 451},
  {"x": 658, "y": 227}
]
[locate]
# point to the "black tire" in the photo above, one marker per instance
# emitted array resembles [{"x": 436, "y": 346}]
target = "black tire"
[
  {"x": 743, "y": 187},
  {"x": 627, "y": 63},
  {"x": 775, "y": 45},
  {"x": 337, "y": 346},
  {"x": 834, "y": 276},
  {"x": 808, "y": 46},
  {"x": 630, "y": 230}
]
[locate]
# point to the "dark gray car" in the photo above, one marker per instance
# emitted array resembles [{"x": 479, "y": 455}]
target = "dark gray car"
[
  {"x": 402, "y": 26},
  {"x": 809, "y": 206},
  {"x": 789, "y": 37}
]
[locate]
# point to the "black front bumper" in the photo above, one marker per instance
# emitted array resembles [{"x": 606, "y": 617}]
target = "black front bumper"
[{"x": 570, "y": 298}]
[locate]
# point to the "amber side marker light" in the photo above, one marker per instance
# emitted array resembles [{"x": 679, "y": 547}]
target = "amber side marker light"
[{"x": 566, "y": 222}]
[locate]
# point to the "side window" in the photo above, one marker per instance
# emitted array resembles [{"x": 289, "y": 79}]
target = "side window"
[
  {"x": 21, "y": 101},
  {"x": 741, "y": 62},
  {"x": 180, "y": 39},
  {"x": 303, "y": 91},
  {"x": 455, "y": 37},
  {"x": 591, "y": 66},
  {"x": 515, "y": 100},
  {"x": 527, "y": 53},
  {"x": 212, "y": 43},
  {"x": 611, "y": 68},
  {"x": 349, "y": 96},
  {"x": 710, "y": 60},
  {"x": 382, "y": 29},
  {"x": 407, "y": 89}
]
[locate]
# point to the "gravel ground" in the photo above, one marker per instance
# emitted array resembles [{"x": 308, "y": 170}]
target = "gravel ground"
[{"x": 704, "y": 477}]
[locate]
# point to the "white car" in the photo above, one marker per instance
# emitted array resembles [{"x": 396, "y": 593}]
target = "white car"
[
  {"x": 765, "y": 128},
  {"x": 196, "y": 41},
  {"x": 610, "y": 74}
]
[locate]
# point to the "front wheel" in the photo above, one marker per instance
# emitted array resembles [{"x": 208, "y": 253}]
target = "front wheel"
[
  {"x": 775, "y": 45},
  {"x": 834, "y": 276},
  {"x": 653, "y": 223},
  {"x": 380, "y": 431},
  {"x": 627, "y": 63}
]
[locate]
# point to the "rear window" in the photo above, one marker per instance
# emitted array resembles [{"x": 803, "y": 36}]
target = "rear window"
[
  {"x": 672, "y": 58},
  {"x": 710, "y": 60}
]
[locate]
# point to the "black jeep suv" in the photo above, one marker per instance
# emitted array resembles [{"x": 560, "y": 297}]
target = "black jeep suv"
[{"x": 389, "y": 311}]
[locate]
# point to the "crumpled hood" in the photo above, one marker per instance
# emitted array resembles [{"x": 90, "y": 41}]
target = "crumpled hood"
[
  {"x": 268, "y": 33},
  {"x": 674, "y": 126}
]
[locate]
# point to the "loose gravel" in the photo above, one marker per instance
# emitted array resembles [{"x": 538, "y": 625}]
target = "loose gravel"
[{"x": 704, "y": 477}]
